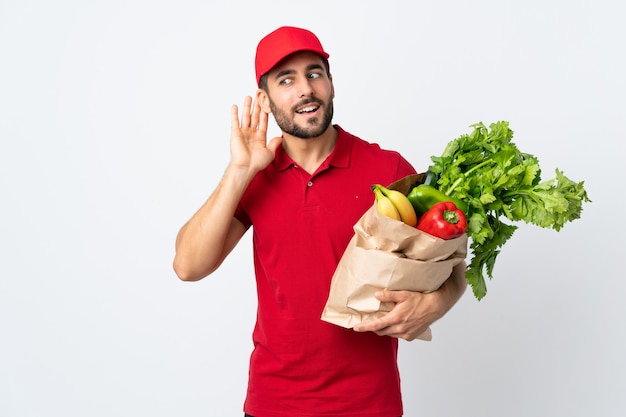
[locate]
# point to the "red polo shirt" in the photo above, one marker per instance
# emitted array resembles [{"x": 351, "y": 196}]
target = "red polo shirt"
[{"x": 302, "y": 366}]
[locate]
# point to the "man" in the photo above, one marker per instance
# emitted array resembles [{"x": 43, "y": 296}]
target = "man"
[{"x": 302, "y": 193}]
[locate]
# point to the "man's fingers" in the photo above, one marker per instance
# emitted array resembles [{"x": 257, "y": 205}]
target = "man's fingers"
[
  {"x": 245, "y": 114},
  {"x": 252, "y": 116},
  {"x": 234, "y": 117},
  {"x": 262, "y": 121},
  {"x": 371, "y": 326},
  {"x": 256, "y": 111},
  {"x": 274, "y": 144},
  {"x": 387, "y": 296}
]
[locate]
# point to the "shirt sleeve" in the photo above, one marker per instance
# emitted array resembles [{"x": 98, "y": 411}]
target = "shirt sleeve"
[
  {"x": 242, "y": 216},
  {"x": 404, "y": 168}
]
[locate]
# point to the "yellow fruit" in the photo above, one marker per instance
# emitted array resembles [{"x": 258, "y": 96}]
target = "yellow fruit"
[
  {"x": 384, "y": 204},
  {"x": 402, "y": 204}
]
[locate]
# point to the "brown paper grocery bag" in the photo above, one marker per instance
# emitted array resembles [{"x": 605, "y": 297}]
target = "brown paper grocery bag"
[{"x": 387, "y": 254}]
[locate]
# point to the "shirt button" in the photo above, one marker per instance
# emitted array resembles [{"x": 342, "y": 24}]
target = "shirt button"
[{"x": 310, "y": 184}]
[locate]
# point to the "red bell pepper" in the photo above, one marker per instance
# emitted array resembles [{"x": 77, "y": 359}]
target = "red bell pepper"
[{"x": 443, "y": 220}]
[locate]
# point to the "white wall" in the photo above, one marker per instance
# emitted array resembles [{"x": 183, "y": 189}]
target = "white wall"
[{"x": 114, "y": 127}]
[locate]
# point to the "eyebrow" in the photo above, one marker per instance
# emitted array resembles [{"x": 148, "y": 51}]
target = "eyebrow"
[{"x": 291, "y": 71}]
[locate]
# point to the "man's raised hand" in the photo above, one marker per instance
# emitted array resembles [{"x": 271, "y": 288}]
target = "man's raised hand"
[{"x": 248, "y": 139}]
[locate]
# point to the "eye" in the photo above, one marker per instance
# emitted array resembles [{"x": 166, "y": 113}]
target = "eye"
[
  {"x": 315, "y": 75},
  {"x": 285, "y": 81}
]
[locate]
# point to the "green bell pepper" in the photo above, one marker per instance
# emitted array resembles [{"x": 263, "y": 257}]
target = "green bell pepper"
[{"x": 424, "y": 196}]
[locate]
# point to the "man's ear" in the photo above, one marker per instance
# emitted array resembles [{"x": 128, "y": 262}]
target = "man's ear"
[{"x": 263, "y": 100}]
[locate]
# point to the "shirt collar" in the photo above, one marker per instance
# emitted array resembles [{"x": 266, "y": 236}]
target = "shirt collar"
[{"x": 339, "y": 157}]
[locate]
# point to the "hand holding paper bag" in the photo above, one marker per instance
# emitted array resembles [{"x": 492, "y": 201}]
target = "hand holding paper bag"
[{"x": 387, "y": 254}]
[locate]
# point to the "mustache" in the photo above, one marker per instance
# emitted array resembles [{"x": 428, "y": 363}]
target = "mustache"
[{"x": 307, "y": 101}]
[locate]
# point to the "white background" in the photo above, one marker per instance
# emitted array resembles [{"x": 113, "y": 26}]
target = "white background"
[{"x": 114, "y": 128}]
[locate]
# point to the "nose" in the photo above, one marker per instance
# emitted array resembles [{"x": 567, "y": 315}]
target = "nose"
[{"x": 304, "y": 88}]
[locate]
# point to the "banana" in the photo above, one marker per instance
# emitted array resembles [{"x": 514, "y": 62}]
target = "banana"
[
  {"x": 402, "y": 204},
  {"x": 384, "y": 205}
]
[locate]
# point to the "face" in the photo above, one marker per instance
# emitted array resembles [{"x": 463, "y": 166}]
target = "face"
[{"x": 300, "y": 95}]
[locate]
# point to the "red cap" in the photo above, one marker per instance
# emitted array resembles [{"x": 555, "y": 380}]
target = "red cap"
[{"x": 282, "y": 42}]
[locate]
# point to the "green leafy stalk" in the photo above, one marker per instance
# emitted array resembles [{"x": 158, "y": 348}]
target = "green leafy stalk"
[{"x": 499, "y": 182}]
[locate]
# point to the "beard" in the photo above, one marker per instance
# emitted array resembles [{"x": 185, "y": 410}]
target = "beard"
[{"x": 314, "y": 127}]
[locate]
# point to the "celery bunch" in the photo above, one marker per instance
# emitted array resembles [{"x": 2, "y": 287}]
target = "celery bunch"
[{"x": 499, "y": 182}]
